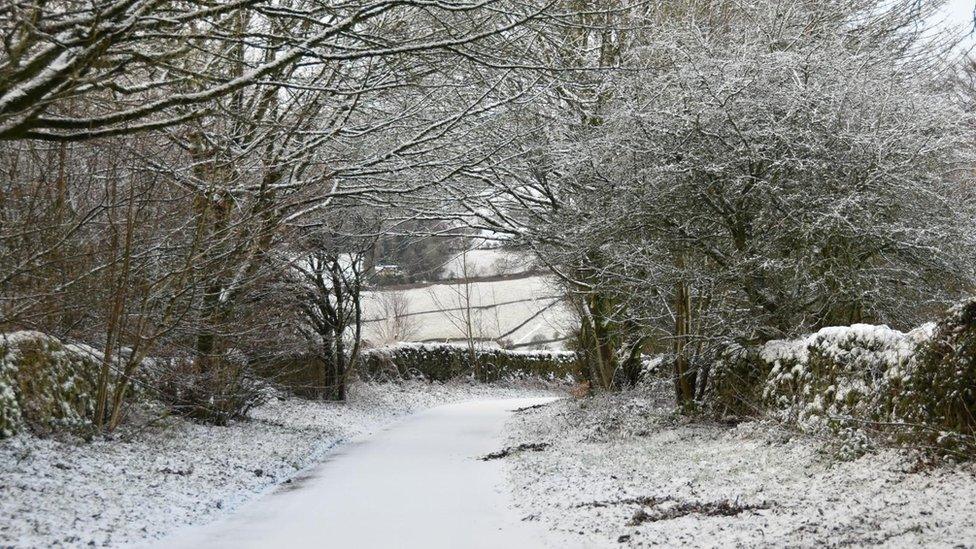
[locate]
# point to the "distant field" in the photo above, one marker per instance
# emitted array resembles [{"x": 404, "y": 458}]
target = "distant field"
[
  {"x": 517, "y": 311},
  {"x": 486, "y": 262}
]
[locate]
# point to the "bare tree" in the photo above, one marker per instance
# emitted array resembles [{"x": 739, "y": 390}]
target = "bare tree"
[
  {"x": 329, "y": 276},
  {"x": 263, "y": 114},
  {"x": 156, "y": 63},
  {"x": 395, "y": 323}
]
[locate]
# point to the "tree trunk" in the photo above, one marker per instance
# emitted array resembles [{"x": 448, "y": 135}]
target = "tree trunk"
[
  {"x": 597, "y": 340},
  {"x": 333, "y": 386},
  {"x": 632, "y": 363},
  {"x": 685, "y": 376}
]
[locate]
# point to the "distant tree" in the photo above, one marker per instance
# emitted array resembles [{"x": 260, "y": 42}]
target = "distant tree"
[
  {"x": 418, "y": 247},
  {"x": 394, "y": 323}
]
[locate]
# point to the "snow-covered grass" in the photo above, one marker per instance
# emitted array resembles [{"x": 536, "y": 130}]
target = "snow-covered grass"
[
  {"x": 608, "y": 451},
  {"x": 145, "y": 485}
]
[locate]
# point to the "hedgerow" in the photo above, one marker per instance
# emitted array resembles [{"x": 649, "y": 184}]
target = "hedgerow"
[
  {"x": 940, "y": 388},
  {"x": 862, "y": 384},
  {"x": 45, "y": 385},
  {"x": 444, "y": 361}
]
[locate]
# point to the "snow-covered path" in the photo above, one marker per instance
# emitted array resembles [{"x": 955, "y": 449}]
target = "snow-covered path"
[{"x": 417, "y": 484}]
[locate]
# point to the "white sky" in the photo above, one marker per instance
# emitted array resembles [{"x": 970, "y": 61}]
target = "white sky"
[{"x": 959, "y": 13}]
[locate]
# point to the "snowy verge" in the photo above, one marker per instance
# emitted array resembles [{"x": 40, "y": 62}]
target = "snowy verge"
[
  {"x": 622, "y": 470},
  {"x": 116, "y": 492}
]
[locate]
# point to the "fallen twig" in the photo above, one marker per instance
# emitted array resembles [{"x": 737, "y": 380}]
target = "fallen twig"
[{"x": 527, "y": 446}]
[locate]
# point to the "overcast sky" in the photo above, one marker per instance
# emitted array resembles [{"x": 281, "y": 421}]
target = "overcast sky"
[
  {"x": 961, "y": 10},
  {"x": 959, "y": 13}
]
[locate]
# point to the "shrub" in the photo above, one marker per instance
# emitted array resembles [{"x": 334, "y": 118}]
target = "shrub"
[
  {"x": 846, "y": 381},
  {"x": 863, "y": 382},
  {"x": 838, "y": 373},
  {"x": 45, "y": 385},
  {"x": 302, "y": 374},
  {"x": 442, "y": 361},
  {"x": 214, "y": 390},
  {"x": 735, "y": 382}
]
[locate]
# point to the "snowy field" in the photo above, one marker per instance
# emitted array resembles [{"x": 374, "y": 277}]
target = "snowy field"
[
  {"x": 482, "y": 262},
  {"x": 518, "y": 310},
  {"x": 111, "y": 493},
  {"x": 623, "y": 471}
]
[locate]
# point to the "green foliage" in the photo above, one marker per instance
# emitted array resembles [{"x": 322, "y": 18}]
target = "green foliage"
[
  {"x": 861, "y": 384},
  {"x": 441, "y": 362},
  {"x": 841, "y": 381},
  {"x": 45, "y": 385}
]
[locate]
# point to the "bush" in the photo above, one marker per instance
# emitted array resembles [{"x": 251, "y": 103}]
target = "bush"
[
  {"x": 844, "y": 380},
  {"x": 442, "y": 361},
  {"x": 214, "y": 390},
  {"x": 735, "y": 382},
  {"x": 302, "y": 374},
  {"x": 45, "y": 385}
]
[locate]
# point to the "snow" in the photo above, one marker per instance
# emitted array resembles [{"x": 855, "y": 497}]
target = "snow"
[
  {"x": 153, "y": 481},
  {"x": 830, "y": 382},
  {"x": 433, "y": 347},
  {"x": 616, "y": 447},
  {"x": 517, "y": 310},
  {"x": 418, "y": 485},
  {"x": 486, "y": 262}
]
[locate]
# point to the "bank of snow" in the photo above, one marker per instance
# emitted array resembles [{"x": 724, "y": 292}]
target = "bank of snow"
[
  {"x": 109, "y": 493},
  {"x": 621, "y": 470}
]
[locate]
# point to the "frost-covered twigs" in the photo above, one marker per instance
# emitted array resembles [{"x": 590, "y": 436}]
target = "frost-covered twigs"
[
  {"x": 766, "y": 172},
  {"x": 270, "y": 122},
  {"x": 130, "y": 57}
]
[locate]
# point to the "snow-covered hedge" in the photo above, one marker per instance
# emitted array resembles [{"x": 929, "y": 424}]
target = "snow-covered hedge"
[
  {"x": 845, "y": 380},
  {"x": 443, "y": 361},
  {"x": 859, "y": 381},
  {"x": 940, "y": 389},
  {"x": 44, "y": 384}
]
